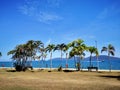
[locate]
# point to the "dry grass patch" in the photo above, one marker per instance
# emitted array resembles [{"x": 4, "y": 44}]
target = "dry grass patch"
[{"x": 41, "y": 80}]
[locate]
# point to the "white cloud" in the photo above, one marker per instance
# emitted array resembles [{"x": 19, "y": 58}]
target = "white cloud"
[
  {"x": 30, "y": 11},
  {"x": 39, "y": 9},
  {"x": 109, "y": 11},
  {"x": 47, "y": 17}
]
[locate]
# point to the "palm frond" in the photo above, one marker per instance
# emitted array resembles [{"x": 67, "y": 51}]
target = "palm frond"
[
  {"x": 112, "y": 53},
  {"x": 110, "y": 47},
  {"x": 104, "y": 49}
]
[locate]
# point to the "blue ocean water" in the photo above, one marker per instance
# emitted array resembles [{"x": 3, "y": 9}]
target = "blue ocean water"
[{"x": 71, "y": 64}]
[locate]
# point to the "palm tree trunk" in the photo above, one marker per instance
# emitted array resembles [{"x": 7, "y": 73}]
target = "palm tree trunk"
[
  {"x": 39, "y": 64},
  {"x": 51, "y": 61},
  {"x": 90, "y": 60},
  {"x": 78, "y": 64},
  {"x": 61, "y": 58},
  {"x": 97, "y": 62},
  {"x": 109, "y": 63},
  {"x": 30, "y": 60},
  {"x": 42, "y": 60},
  {"x": 75, "y": 63},
  {"x": 66, "y": 61}
]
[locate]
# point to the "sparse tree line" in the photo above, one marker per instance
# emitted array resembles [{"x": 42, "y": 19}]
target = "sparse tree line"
[{"x": 33, "y": 50}]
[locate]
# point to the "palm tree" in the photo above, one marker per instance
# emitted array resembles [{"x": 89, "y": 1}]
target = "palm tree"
[
  {"x": 0, "y": 54},
  {"x": 50, "y": 49},
  {"x": 78, "y": 49},
  {"x": 111, "y": 51},
  {"x": 65, "y": 49},
  {"x": 42, "y": 50},
  {"x": 19, "y": 55},
  {"x": 38, "y": 57},
  {"x": 80, "y": 52},
  {"x": 23, "y": 52},
  {"x": 32, "y": 47},
  {"x": 72, "y": 53},
  {"x": 12, "y": 52},
  {"x": 92, "y": 50},
  {"x": 60, "y": 47},
  {"x": 77, "y": 42}
]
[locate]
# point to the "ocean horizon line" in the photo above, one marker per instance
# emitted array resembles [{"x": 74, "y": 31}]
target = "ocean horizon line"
[{"x": 100, "y": 57}]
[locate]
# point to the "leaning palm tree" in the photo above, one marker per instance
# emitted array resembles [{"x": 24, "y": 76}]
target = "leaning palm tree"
[
  {"x": 50, "y": 49},
  {"x": 111, "y": 51},
  {"x": 92, "y": 50}
]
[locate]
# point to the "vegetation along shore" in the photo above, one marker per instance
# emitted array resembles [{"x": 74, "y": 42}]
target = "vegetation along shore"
[{"x": 36, "y": 50}]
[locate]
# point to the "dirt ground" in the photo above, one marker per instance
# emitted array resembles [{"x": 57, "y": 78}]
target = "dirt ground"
[{"x": 43, "y": 80}]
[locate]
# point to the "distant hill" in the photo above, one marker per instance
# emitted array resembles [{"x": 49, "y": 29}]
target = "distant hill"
[
  {"x": 101, "y": 57},
  {"x": 58, "y": 59}
]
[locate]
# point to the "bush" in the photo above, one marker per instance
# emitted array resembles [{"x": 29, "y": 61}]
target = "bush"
[{"x": 18, "y": 68}]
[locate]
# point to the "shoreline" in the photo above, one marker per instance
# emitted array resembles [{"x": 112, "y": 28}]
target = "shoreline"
[{"x": 106, "y": 70}]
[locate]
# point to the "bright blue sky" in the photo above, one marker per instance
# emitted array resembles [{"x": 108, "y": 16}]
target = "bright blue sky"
[{"x": 59, "y": 21}]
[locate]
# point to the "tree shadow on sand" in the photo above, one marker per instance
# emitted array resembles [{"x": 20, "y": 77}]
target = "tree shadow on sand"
[{"x": 111, "y": 76}]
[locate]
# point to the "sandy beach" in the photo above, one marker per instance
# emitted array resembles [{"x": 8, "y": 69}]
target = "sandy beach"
[
  {"x": 73, "y": 69},
  {"x": 44, "y": 80}
]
